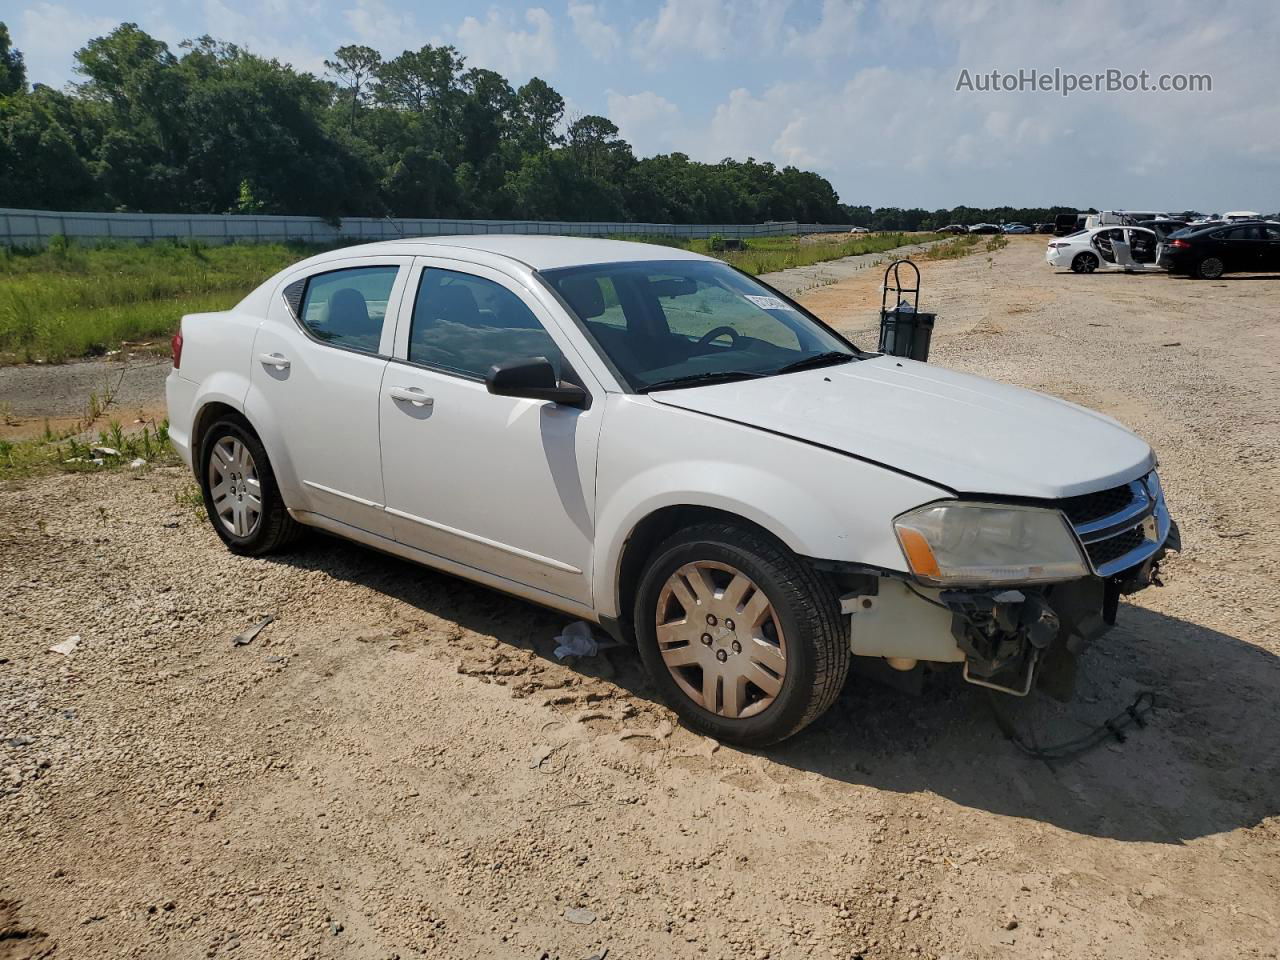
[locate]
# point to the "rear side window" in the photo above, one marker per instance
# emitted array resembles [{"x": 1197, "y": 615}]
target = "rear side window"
[
  {"x": 347, "y": 308},
  {"x": 1273, "y": 233},
  {"x": 465, "y": 324},
  {"x": 1244, "y": 233}
]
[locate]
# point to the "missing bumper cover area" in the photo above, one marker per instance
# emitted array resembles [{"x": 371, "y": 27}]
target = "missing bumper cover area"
[{"x": 1003, "y": 634}]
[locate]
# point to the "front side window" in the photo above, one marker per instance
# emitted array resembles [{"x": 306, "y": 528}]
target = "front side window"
[
  {"x": 680, "y": 322},
  {"x": 465, "y": 324},
  {"x": 346, "y": 307}
]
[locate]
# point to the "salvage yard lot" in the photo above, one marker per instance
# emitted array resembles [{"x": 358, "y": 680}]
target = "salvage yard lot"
[{"x": 398, "y": 766}]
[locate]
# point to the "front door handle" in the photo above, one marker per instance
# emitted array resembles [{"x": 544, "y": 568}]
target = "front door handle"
[
  {"x": 412, "y": 395},
  {"x": 277, "y": 360}
]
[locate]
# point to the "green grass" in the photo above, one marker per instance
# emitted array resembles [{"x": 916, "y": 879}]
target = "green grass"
[
  {"x": 72, "y": 301},
  {"x": 769, "y": 254},
  {"x": 69, "y": 301},
  {"x": 73, "y": 452}
]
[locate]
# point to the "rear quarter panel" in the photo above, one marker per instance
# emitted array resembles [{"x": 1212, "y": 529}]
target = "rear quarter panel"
[{"x": 216, "y": 350}]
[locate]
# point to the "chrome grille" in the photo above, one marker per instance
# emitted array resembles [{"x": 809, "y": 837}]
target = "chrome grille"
[
  {"x": 1119, "y": 527},
  {"x": 1095, "y": 506}
]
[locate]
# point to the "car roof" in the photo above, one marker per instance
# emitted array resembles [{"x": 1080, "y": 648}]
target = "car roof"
[{"x": 537, "y": 252}]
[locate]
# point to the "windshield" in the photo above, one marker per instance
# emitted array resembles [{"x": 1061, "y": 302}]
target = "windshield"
[{"x": 684, "y": 322}]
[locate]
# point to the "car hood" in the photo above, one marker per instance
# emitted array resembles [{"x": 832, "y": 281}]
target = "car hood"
[{"x": 963, "y": 432}]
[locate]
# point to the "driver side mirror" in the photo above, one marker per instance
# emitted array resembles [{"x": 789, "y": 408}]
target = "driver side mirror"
[{"x": 533, "y": 378}]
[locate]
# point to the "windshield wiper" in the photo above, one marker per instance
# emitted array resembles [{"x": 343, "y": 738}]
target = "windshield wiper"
[
  {"x": 829, "y": 358},
  {"x": 722, "y": 376}
]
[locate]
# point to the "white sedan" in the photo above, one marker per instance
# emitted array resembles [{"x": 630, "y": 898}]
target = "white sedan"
[
  {"x": 654, "y": 442},
  {"x": 1131, "y": 249}
]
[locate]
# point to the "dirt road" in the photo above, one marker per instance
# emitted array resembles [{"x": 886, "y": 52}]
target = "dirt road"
[{"x": 398, "y": 766}]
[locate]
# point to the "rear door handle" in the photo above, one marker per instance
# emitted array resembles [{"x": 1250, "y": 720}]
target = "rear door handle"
[
  {"x": 277, "y": 360},
  {"x": 412, "y": 395}
]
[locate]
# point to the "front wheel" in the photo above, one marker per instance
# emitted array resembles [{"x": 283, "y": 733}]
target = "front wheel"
[
  {"x": 743, "y": 639},
  {"x": 240, "y": 492},
  {"x": 1084, "y": 263},
  {"x": 1210, "y": 268}
]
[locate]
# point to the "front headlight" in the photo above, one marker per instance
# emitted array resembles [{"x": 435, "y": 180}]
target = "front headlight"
[{"x": 980, "y": 544}]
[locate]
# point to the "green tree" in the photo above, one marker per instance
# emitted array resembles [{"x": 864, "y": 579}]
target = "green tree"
[
  {"x": 354, "y": 66},
  {"x": 13, "y": 71},
  {"x": 539, "y": 110}
]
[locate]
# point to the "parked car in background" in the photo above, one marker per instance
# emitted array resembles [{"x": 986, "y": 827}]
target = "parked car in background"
[
  {"x": 1120, "y": 218},
  {"x": 1242, "y": 215},
  {"x": 1046, "y": 227},
  {"x": 859, "y": 230},
  {"x": 1163, "y": 227},
  {"x": 1068, "y": 223},
  {"x": 1016, "y": 228},
  {"x": 985, "y": 228},
  {"x": 954, "y": 228},
  {"x": 1238, "y": 247},
  {"x": 1131, "y": 249},
  {"x": 647, "y": 439}
]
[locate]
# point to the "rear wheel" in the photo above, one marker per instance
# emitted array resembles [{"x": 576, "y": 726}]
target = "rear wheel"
[
  {"x": 742, "y": 638},
  {"x": 1084, "y": 263},
  {"x": 240, "y": 492},
  {"x": 1210, "y": 268}
]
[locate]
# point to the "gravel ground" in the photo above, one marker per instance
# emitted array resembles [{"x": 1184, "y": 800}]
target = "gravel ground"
[
  {"x": 398, "y": 767},
  {"x": 33, "y": 394}
]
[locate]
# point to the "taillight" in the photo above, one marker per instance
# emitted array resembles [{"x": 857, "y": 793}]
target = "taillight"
[
  {"x": 1180, "y": 244},
  {"x": 176, "y": 344}
]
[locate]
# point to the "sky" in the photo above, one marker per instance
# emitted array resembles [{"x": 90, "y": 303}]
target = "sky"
[{"x": 863, "y": 92}]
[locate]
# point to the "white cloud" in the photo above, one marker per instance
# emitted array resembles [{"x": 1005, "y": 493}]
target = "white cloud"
[
  {"x": 378, "y": 25},
  {"x": 711, "y": 29},
  {"x": 834, "y": 34},
  {"x": 600, "y": 38},
  {"x": 48, "y": 35},
  {"x": 501, "y": 44},
  {"x": 650, "y": 123}
]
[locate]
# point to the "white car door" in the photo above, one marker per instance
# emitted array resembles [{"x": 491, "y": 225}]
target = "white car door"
[
  {"x": 318, "y": 362},
  {"x": 501, "y": 484}
]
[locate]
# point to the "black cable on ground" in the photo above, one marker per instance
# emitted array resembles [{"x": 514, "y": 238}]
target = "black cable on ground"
[{"x": 1113, "y": 729}]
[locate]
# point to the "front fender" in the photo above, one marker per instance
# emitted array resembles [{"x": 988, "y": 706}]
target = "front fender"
[{"x": 819, "y": 502}]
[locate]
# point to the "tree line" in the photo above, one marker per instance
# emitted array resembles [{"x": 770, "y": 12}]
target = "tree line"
[{"x": 214, "y": 128}]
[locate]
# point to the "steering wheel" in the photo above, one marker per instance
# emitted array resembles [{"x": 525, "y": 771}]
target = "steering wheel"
[{"x": 712, "y": 334}]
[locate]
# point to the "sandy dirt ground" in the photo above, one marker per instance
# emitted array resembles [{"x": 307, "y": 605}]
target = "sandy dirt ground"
[{"x": 398, "y": 766}]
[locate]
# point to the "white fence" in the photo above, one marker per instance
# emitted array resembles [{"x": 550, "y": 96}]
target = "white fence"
[{"x": 36, "y": 227}]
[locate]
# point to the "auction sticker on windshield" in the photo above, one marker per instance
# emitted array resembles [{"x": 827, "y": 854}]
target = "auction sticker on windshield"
[{"x": 768, "y": 303}]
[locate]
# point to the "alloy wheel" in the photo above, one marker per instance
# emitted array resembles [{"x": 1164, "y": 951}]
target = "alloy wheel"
[
  {"x": 234, "y": 486},
  {"x": 721, "y": 639}
]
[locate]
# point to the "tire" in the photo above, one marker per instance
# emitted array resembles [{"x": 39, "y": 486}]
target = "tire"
[
  {"x": 1210, "y": 268},
  {"x": 233, "y": 458},
  {"x": 1084, "y": 263},
  {"x": 766, "y": 678}
]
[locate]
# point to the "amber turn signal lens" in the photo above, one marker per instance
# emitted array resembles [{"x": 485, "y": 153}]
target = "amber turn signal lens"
[{"x": 919, "y": 555}]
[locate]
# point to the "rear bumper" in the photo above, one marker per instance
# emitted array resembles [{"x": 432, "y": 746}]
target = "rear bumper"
[{"x": 180, "y": 396}]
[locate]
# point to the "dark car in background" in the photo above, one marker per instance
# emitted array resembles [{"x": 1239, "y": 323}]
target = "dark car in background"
[
  {"x": 1163, "y": 226},
  {"x": 1065, "y": 224},
  {"x": 986, "y": 228},
  {"x": 954, "y": 228},
  {"x": 1242, "y": 247}
]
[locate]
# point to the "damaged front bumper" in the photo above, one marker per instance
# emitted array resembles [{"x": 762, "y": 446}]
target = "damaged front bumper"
[
  {"x": 1017, "y": 637},
  {"x": 1013, "y": 640}
]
